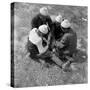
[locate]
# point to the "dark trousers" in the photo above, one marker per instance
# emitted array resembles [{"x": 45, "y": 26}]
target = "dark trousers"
[
  {"x": 34, "y": 53},
  {"x": 32, "y": 49},
  {"x": 64, "y": 57}
]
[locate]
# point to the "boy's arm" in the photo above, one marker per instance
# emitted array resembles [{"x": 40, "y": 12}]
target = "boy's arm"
[{"x": 64, "y": 41}]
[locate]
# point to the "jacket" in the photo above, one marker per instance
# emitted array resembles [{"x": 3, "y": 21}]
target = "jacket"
[
  {"x": 40, "y": 20},
  {"x": 57, "y": 30},
  {"x": 68, "y": 42}
]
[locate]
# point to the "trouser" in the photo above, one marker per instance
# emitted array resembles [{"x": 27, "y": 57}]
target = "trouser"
[
  {"x": 47, "y": 56},
  {"x": 64, "y": 57},
  {"x": 50, "y": 58}
]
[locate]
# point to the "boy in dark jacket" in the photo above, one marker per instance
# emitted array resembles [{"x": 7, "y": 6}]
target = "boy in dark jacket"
[
  {"x": 57, "y": 31},
  {"x": 66, "y": 47},
  {"x": 41, "y": 18}
]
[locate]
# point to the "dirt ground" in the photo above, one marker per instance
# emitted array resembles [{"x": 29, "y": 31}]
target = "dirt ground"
[{"x": 30, "y": 73}]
